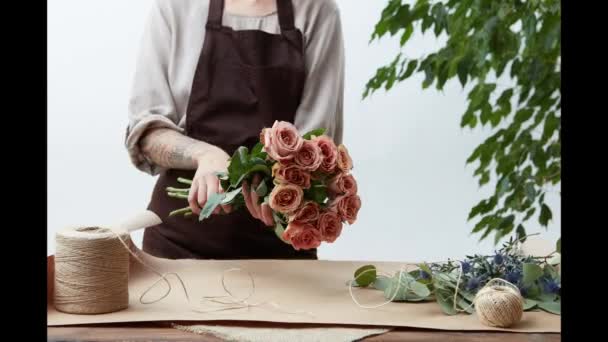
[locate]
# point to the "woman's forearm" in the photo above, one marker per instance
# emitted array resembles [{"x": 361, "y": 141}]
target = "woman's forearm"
[{"x": 170, "y": 149}]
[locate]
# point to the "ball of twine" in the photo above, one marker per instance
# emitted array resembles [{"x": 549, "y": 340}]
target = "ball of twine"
[
  {"x": 91, "y": 270},
  {"x": 499, "y": 304}
]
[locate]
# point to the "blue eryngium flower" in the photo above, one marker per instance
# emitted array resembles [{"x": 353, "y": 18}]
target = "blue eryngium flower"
[
  {"x": 550, "y": 286},
  {"x": 472, "y": 284},
  {"x": 513, "y": 277},
  {"x": 466, "y": 267},
  {"x": 423, "y": 275},
  {"x": 498, "y": 259}
]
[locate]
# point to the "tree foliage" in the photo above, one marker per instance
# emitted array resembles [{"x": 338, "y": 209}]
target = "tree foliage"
[{"x": 488, "y": 40}]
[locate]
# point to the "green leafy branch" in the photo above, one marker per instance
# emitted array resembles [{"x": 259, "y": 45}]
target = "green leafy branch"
[{"x": 485, "y": 39}]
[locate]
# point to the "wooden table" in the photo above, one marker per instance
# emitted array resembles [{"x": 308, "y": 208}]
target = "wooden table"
[{"x": 164, "y": 332}]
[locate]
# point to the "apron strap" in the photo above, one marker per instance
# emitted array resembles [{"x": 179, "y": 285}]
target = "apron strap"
[
  {"x": 216, "y": 12},
  {"x": 286, "y": 18}
]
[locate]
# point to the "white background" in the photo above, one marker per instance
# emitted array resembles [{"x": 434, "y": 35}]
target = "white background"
[{"x": 408, "y": 147}]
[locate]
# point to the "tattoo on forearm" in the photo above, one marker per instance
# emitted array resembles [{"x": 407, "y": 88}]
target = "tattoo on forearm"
[{"x": 171, "y": 149}]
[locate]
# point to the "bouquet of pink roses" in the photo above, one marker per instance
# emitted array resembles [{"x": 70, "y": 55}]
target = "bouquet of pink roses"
[{"x": 306, "y": 181}]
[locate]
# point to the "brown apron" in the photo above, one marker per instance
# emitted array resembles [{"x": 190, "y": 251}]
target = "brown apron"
[{"x": 244, "y": 81}]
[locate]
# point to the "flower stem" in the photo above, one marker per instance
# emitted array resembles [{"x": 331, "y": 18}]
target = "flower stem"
[
  {"x": 178, "y": 195},
  {"x": 184, "y": 211},
  {"x": 171, "y": 189},
  {"x": 184, "y": 181}
]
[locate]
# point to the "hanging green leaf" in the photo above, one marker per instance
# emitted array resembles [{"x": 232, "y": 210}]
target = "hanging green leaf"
[{"x": 545, "y": 215}]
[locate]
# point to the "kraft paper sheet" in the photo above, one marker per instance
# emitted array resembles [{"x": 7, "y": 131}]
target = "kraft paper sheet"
[{"x": 318, "y": 287}]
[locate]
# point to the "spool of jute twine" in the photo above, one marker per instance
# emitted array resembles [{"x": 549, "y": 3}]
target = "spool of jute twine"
[
  {"x": 499, "y": 304},
  {"x": 91, "y": 271}
]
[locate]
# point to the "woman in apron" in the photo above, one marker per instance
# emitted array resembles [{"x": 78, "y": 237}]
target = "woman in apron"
[{"x": 210, "y": 76}]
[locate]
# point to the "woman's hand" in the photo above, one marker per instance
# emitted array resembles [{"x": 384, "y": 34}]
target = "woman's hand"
[
  {"x": 205, "y": 182},
  {"x": 261, "y": 211}
]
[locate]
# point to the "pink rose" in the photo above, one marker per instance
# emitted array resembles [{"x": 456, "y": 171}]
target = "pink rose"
[
  {"x": 342, "y": 183},
  {"x": 263, "y": 134},
  {"x": 308, "y": 212},
  {"x": 330, "y": 226},
  {"x": 329, "y": 152},
  {"x": 345, "y": 163},
  {"x": 347, "y": 206},
  {"x": 292, "y": 174},
  {"x": 309, "y": 157},
  {"x": 285, "y": 198},
  {"x": 282, "y": 141},
  {"x": 302, "y": 235}
]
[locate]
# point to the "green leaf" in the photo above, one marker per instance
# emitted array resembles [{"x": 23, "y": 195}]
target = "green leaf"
[
  {"x": 316, "y": 193},
  {"x": 545, "y": 215},
  {"x": 231, "y": 195},
  {"x": 551, "y": 307},
  {"x": 403, "y": 287},
  {"x": 530, "y": 191},
  {"x": 411, "y": 66},
  {"x": 529, "y": 304},
  {"x": 315, "y": 132},
  {"x": 238, "y": 164},
  {"x": 256, "y": 151},
  {"x": 521, "y": 233},
  {"x": 503, "y": 186},
  {"x": 262, "y": 189},
  {"x": 212, "y": 202},
  {"x": 465, "y": 305},
  {"x": 381, "y": 283},
  {"x": 407, "y": 34},
  {"x": 279, "y": 230},
  {"x": 250, "y": 171},
  {"x": 531, "y": 272},
  {"x": 523, "y": 115},
  {"x": 467, "y": 295},
  {"x": 463, "y": 70},
  {"x": 445, "y": 299},
  {"x": 419, "y": 289},
  {"x": 277, "y": 216},
  {"x": 365, "y": 275},
  {"x": 529, "y": 214},
  {"x": 558, "y": 245}
]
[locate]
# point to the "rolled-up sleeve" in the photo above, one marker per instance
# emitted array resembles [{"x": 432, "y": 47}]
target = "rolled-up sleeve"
[
  {"x": 151, "y": 104},
  {"x": 323, "y": 96}
]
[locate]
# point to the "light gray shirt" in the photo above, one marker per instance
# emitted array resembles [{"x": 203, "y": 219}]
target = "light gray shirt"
[{"x": 169, "y": 52}]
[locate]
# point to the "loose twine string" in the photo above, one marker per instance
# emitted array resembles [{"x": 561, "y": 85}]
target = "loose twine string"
[{"x": 94, "y": 249}]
